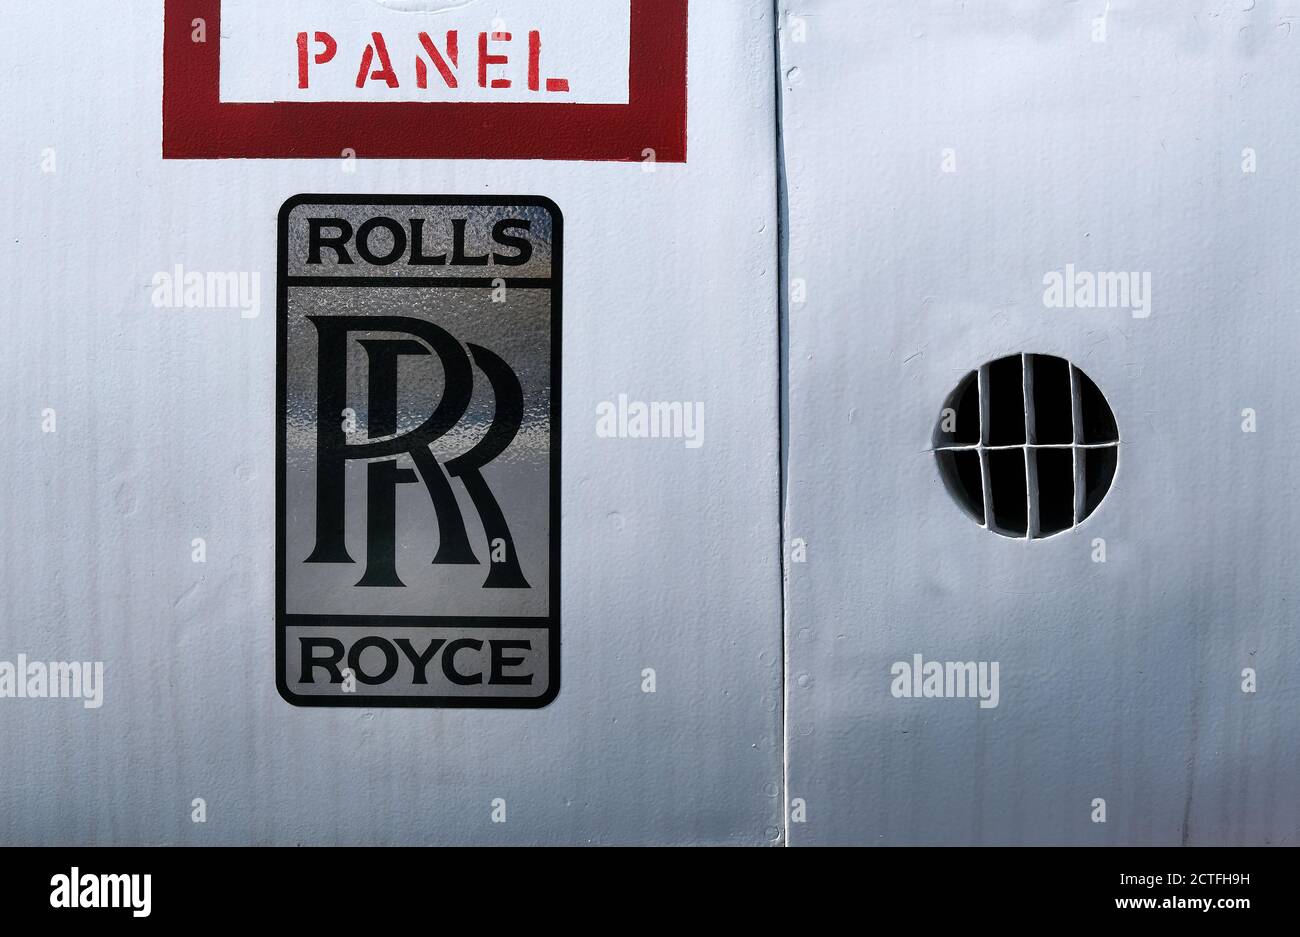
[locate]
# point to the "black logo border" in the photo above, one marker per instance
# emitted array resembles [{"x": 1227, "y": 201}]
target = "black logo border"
[{"x": 552, "y": 625}]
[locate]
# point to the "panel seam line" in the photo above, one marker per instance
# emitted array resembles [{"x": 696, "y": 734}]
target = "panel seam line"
[{"x": 783, "y": 406}]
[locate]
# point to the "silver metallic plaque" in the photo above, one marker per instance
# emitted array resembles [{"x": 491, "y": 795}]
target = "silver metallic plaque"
[{"x": 417, "y": 498}]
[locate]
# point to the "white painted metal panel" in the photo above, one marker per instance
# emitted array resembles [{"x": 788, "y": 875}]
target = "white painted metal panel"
[
  {"x": 1119, "y": 680},
  {"x": 165, "y": 433}
]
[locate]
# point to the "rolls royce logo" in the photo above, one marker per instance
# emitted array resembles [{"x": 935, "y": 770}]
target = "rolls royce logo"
[{"x": 417, "y": 497}]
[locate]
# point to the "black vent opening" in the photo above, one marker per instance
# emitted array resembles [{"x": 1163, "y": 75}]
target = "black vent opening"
[{"x": 1027, "y": 445}]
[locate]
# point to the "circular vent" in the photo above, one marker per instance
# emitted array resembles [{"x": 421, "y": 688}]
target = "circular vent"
[{"x": 1027, "y": 445}]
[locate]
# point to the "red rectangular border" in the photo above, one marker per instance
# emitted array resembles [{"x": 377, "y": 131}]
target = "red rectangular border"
[{"x": 197, "y": 125}]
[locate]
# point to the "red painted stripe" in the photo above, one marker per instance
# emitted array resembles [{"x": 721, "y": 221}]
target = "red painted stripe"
[{"x": 196, "y": 125}]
